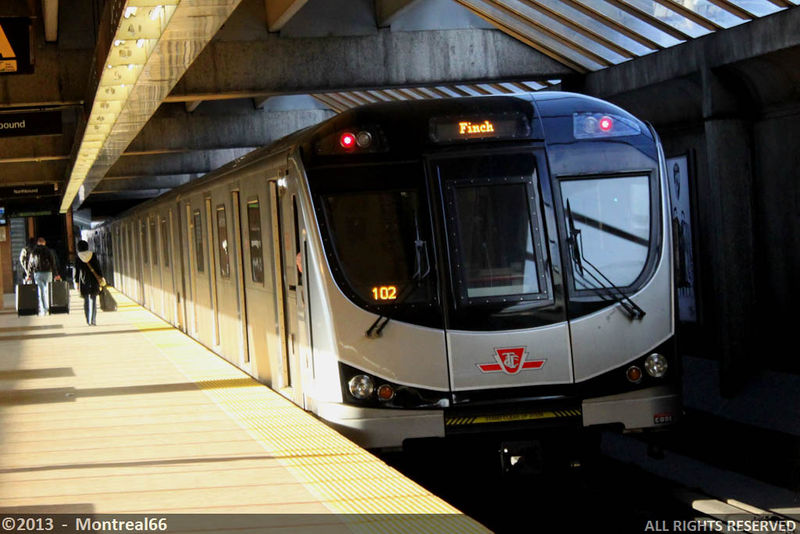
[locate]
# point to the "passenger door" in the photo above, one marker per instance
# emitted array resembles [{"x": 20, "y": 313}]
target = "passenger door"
[
  {"x": 287, "y": 241},
  {"x": 506, "y": 326}
]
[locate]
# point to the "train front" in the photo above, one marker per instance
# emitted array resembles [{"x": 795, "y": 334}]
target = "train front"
[{"x": 490, "y": 264}]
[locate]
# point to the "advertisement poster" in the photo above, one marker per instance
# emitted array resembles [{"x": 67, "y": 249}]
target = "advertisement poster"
[{"x": 678, "y": 176}]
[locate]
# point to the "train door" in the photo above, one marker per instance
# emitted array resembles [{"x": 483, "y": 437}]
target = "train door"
[
  {"x": 237, "y": 252},
  {"x": 156, "y": 285},
  {"x": 212, "y": 274},
  {"x": 168, "y": 296},
  {"x": 257, "y": 277},
  {"x": 200, "y": 274},
  {"x": 225, "y": 286},
  {"x": 178, "y": 279},
  {"x": 506, "y": 326},
  {"x": 143, "y": 263},
  {"x": 287, "y": 232}
]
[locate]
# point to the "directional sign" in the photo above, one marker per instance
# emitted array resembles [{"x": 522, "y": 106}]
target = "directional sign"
[
  {"x": 15, "y": 45},
  {"x": 30, "y": 123}
]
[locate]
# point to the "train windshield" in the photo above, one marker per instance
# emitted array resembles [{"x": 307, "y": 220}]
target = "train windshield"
[
  {"x": 494, "y": 228},
  {"x": 381, "y": 238},
  {"x": 611, "y": 218}
]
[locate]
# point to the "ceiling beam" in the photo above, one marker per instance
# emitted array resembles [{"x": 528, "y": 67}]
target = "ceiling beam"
[
  {"x": 757, "y": 38},
  {"x": 384, "y": 59},
  {"x": 176, "y": 130},
  {"x": 279, "y": 12}
]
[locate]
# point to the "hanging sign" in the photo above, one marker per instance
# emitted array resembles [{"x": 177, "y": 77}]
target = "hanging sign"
[{"x": 30, "y": 123}]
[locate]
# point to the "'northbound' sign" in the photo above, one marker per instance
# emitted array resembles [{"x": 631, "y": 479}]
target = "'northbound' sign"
[{"x": 30, "y": 123}]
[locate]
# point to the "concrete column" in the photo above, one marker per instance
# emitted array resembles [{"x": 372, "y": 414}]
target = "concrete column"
[{"x": 730, "y": 273}]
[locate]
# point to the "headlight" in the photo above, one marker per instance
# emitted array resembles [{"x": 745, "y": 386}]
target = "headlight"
[
  {"x": 361, "y": 386},
  {"x": 656, "y": 365}
]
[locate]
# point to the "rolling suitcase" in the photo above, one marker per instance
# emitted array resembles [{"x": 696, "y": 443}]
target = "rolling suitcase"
[
  {"x": 59, "y": 296},
  {"x": 27, "y": 299}
]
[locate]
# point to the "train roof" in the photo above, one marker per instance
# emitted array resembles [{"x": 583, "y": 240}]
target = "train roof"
[{"x": 411, "y": 127}]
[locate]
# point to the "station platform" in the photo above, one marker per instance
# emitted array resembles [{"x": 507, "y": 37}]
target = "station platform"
[{"x": 133, "y": 417}]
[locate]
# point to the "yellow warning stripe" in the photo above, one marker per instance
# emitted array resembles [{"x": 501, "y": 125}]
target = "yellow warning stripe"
[
  {"x": 344, "y": 477},
  {"x": 512, "y": 417}
]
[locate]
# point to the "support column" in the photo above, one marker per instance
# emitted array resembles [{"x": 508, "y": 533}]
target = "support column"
[{"x": 729, "y": 235}]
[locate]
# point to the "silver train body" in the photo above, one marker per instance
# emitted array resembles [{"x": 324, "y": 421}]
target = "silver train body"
[{"x": 414, "y": 270}]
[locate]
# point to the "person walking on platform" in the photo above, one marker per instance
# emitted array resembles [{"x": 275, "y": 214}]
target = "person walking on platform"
[
  {"x": 90, "y": 280},
  {"x": 42, "y": 263},
  {"x": 24, "y": 254}
]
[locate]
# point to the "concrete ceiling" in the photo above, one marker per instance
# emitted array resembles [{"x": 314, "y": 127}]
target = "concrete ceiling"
[{"x": 197, "y": 83}]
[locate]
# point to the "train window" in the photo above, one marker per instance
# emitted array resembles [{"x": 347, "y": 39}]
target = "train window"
[
  {"x": 143, "y": 238},
  {"x": 256, "y": 248},
  {"x": 380, "y": 239},
  {"x": 165, "y": 241},
  {"x": 222, "y": 242},
  {"x": 494, "y": 232},
  {"x": 154, "y": 240},
  {"x": 612, "y": 218},
  {"x": 197, "y": 224},
  {"x": 496, "y": 240}
]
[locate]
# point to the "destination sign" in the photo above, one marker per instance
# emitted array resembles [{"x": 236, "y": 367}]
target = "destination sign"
[
  {"x": 30, "y": 123},
  {"x": 504, "y": 126},
  {"x": 15, "y": 45}
]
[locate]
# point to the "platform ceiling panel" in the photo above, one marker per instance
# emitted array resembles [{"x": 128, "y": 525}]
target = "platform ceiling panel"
[{"x": 149, "y": 45}]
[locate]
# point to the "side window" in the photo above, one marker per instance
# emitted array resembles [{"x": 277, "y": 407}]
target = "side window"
[
  {"x": 165, "y": 241},
  {"x": 256, "y": 247},
  {"x": 197, "y": 223},
  {"x": 222, "y": 241},
  {"x": 154, "y": 239}
]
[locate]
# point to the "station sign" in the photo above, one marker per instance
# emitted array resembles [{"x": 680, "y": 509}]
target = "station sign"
[
  {"x": 28, "y": 191},
  {"x": 30, "y": 123},
  {"x": 16, "y": 50}
]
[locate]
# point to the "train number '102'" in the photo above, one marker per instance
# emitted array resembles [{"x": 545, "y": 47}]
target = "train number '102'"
[{"x": 384, "y": 292}]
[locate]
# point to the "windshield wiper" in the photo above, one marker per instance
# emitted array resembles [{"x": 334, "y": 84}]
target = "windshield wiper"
[
  {"x": 420, "y": 274},
  {"x": 575, "y": 242}
]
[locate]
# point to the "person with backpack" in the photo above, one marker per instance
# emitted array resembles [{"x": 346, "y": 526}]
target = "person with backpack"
[
  {"x": 43, "y": 265},
  {"x": 90, "y": 280}
]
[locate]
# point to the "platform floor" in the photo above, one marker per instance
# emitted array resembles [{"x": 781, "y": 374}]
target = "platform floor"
[{"x": 133, "y": 417}]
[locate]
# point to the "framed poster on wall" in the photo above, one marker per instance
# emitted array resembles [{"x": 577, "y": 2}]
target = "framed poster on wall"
[{"x": 680, "y": 195}]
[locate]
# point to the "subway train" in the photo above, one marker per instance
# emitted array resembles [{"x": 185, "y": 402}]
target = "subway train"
[{"x": 431, "y": 268}]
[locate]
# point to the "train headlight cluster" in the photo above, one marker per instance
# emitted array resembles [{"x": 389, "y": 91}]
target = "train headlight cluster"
[
  {"x": 655, "y": 365},
  {"x": 594, "y": 125},
  {"x": 361, "y": 387}
]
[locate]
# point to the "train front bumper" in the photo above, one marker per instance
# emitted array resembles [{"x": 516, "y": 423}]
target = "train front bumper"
[
  {"x": 381, "y": 428},
  {"x": 644, "y": 408}
]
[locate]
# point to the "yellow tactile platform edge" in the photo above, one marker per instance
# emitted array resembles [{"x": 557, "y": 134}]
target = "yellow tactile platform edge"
[{"x": 345, "y": 478}]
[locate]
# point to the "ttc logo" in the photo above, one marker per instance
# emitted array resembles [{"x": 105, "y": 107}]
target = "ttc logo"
[{"x": 510, "y": 360}]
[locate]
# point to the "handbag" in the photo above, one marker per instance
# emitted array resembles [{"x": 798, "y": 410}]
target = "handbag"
[{"x": 107, "y": 302}]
